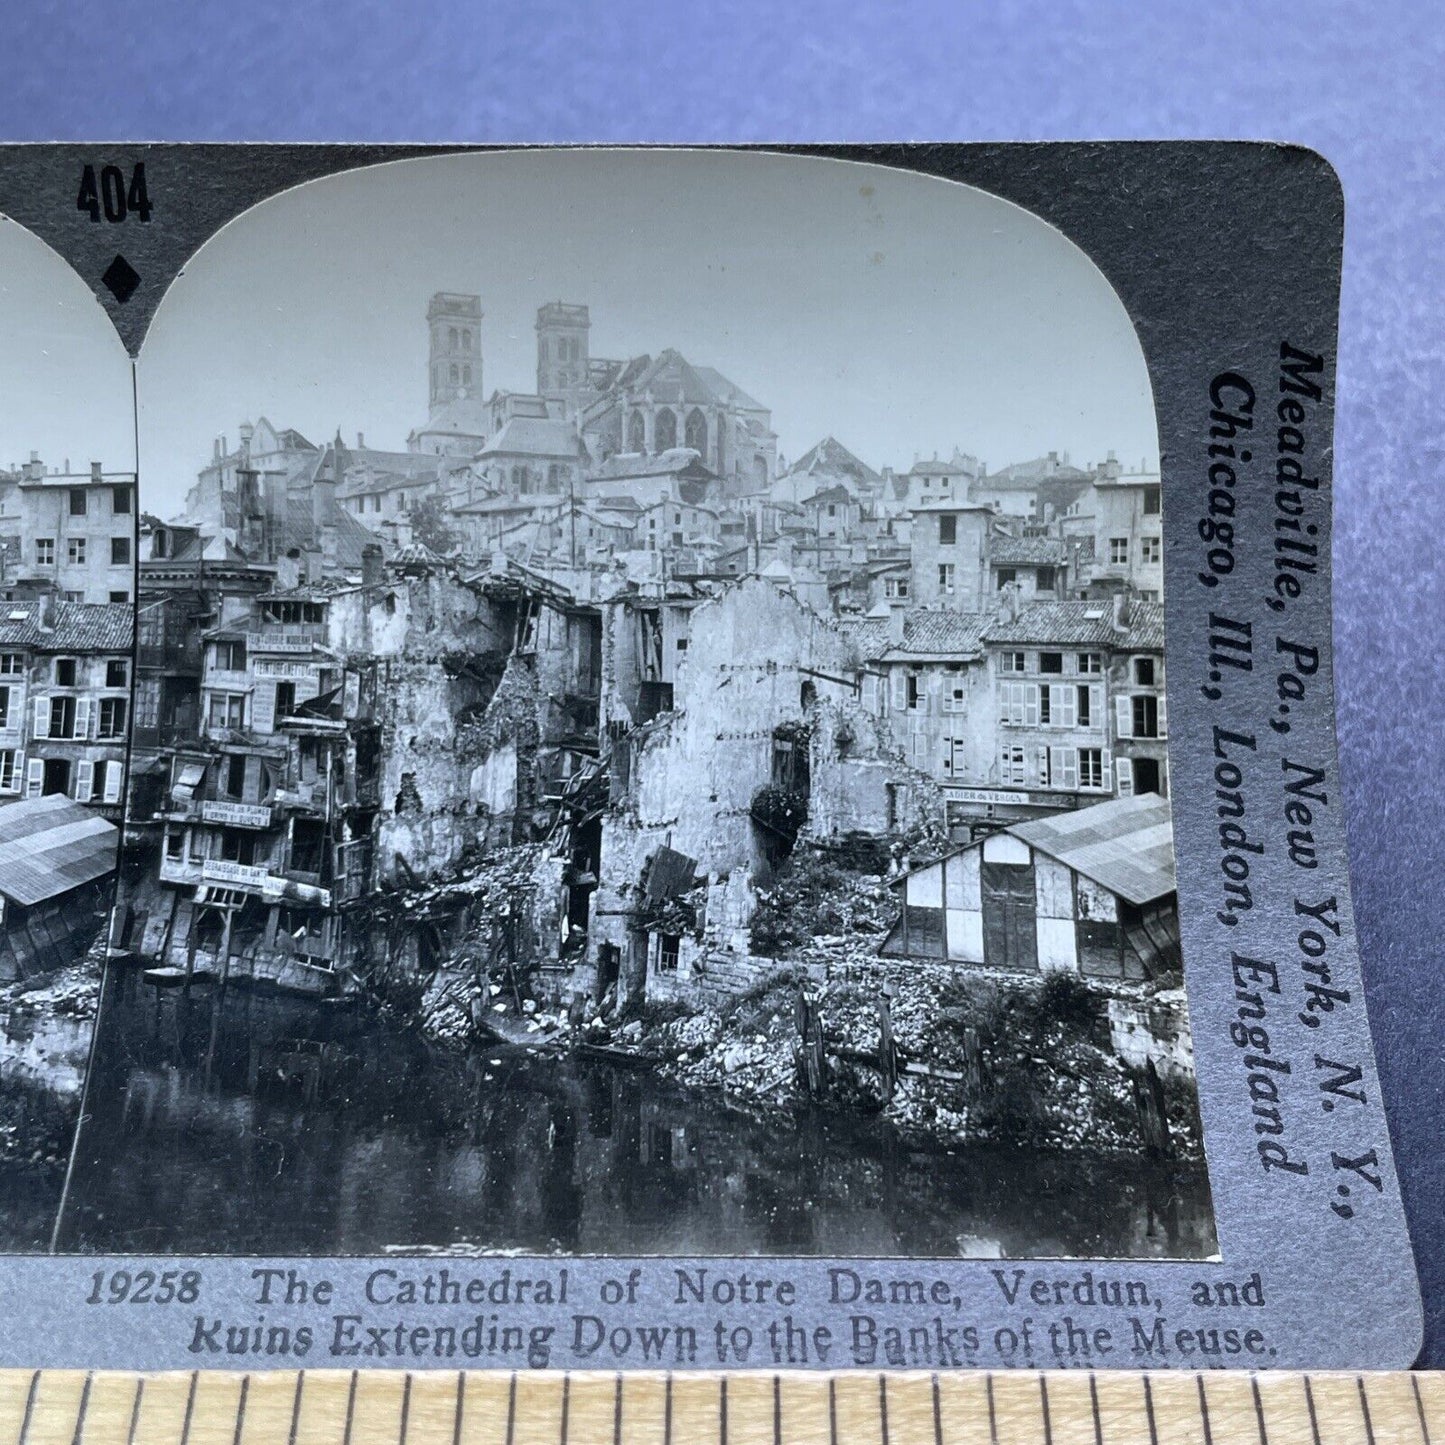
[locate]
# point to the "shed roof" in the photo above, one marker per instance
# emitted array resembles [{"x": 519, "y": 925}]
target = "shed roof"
[
  {"x": 1126, "y": 845},
  {"x": 52, "y": 845}
]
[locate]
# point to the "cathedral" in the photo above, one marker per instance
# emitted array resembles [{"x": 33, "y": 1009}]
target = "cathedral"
[{"x": 645, "y": 405}]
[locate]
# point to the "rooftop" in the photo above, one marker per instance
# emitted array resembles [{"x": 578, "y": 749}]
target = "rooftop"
[
  {"x": 1126, "y": 844},
  {"x": 73, "y": 627},
  {"x": 52, "y": 845},
  {"x": 1084, "y": 624}
]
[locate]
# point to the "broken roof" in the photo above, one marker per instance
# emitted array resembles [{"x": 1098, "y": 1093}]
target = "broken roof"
[
  {"x": 675, "y": 460},
  {"x": 1126, "y": 845},
  {"x": 830, "y": 457},
  {"x": 935, "y": 635},
  {"x": 52, "y": 845}
]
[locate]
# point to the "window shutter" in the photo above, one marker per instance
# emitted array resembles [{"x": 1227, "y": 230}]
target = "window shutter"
[
  {"x": 1045, "y": 776},
  {"x": 1096, "y": 708},
  {"x": 1124, "y": 717},
  {"x": 42, "y": 717},
  {"x": 34, "y": 777},
  {"x": 113, "y": 773},
  {"x": 1124, "y": 776},
  {"x": 1065, "y": 710},
  {"x": 895, "y": 678},
  {"x": 1163, "y": 717},
  {"x": 83, "y": 709},
  {"x": 1031, "y": 704},
  {"x": 15, "y": 783},
  {"x": 84, "y": 780},
  {"x": 1106, "y": 771}
]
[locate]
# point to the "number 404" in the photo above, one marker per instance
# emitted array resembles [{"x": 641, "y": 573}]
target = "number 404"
[{"x": 113, "y": 196}]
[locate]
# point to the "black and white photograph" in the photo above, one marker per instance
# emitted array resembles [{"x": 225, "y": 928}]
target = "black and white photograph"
[{"x": 619, "y": 701}]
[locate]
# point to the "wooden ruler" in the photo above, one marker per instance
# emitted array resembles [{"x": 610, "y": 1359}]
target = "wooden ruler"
[{"x": 384, "y": 1407}]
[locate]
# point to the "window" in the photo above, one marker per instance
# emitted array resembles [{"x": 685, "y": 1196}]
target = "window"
[
  {"x": 1007, "y": 575},
  {"x": 231, "y": 656},
  {"x": 75, "y": 551},
  {"x": 228, "y": 710},
  {"x": 1051, "y": 662},
  {"x": 8, "y": 718},
  {"x": 1151, "y": 501},
  {"x": 895, "y": 587},
  {"x": 1145, "y": 716},
  {"x": 1091, "y": 768},
  {"x": 1012, "y": 662},
  {"x": 1144, "y": 672},
  {"x": 175, "y": 842},
  {"x": 65, "y": 672},
  {"x": 120, "y": 502},
  {"x": 1063, "y": 765},
  {"x": 669, "y": 948},
  {"x": 1090, "y": 662},
  {"x": 1012, "y": 767},
  {"x": 947, "y": 530},
  {"x": 953, "y": 696},
  {"x": 1124, "y": 777},
  {"x": 682, "y": 644},
  {"x": 1118, "y": 551},
  {"x": 1151, "y": 549},
  {"x": 112, "y": 717},
  {"x": 912, "y": 692},
  {"x": 9, "y": 771},
  {"x": 1084, "y": 705},
  {"x": 12, "y": 664},
  {"x": 664, "y": 429},
  {"x": 121, "y": 596},
  {"x": 120, "y": 551},
  {"x": 453, "y": 375},
  {"x": 1045, "y": 579},
  {"x": 45, "y": 551},
  {"x": 1046, "y": 710},
  {"x": 945, "y": 578},
  {"x": 62, "y": 717},
  {"x": 466, "y": 376},
  {"x": 1019, "y": 704},
  {"x": 77, "y": 501},
  {"x": 72, "y": 596}
]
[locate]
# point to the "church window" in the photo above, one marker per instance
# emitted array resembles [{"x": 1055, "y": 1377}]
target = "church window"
[
  {"x": 452, "y": 338},
  {"x": 454, "y": 376},
  {"x": 466, "y": 340},
  {"x": 466, "y": 376},
  {"x": 665, "y": 429},
  {"x": 696, "y": 431},
  {"x": 636, "y": 432}
]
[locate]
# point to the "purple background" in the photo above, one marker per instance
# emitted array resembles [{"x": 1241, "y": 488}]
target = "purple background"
[{"x": 1362, "y": 83}]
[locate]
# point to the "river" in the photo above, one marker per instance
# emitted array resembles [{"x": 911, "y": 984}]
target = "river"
[{"x": 244, "y": 1123}]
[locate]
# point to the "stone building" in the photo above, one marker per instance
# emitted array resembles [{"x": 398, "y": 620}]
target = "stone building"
[
  {"x": 455, "y": 424},
  {"x": 69, "y": 534},
  {"x": 65, "y": 679},
  {"x": 948, "y": 555}
]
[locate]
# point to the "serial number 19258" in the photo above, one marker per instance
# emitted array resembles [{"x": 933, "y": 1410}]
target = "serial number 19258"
[{"x": 144, "y": 1287}]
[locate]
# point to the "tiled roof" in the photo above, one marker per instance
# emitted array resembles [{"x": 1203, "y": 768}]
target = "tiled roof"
[
  {"x": 933, "y": 467},
  {"x": 1084, "y": 624},
  {"x": 933, "y": 634},
  {"x": 728, "y": 391},
  {"x": 828, "y": 494},
  {"x": 1026, "y": 552},
  {"x": 535, "y": 437},
  {"x": 831, "y": 458},
  {"x": 77, "y": 627}
]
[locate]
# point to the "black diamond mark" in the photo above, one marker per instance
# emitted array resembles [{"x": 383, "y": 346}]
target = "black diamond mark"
[{"x": 121, "y": 279}]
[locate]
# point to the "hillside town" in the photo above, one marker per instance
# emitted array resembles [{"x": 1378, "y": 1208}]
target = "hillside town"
[
  {"x": 588, "y": 720},
  {"x": 529, "y": 725}
]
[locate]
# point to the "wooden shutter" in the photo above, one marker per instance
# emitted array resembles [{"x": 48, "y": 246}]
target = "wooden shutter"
[
  {"x": 1096, "y": 708},
  {"x": 42, "y": 717},
  {"x": 84, "y": 780},
  {"x": 1063, "y": 706},
  {"x": 34, "y": 777},
  {"x": 1124, "y": 776},
  {"x": 1163, "y": 717},
  {"x": 83, "y": 709},
  {"x": 1031, "y": 704},
  {"x": 113, "y": 774},
  {"x": 1124, "y": 717}
]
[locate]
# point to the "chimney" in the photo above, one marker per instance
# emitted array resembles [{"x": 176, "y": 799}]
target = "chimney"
[
  {"x": 216, "y": 450},
  {"x": 1121, "y": 610},
  {"x": 45, "y": 612},
  {"x": 897, "y": 617},
  {"x": 94, "y": 471},
  {"x": 312, "y": 559},
  {"x": 288, "y": 571},
  {"x": 371, "y": 571},
  {"x": 360, "y": 441},
  {"x": 246, "y": 431},
  {"x": 1008, "y": 602}
]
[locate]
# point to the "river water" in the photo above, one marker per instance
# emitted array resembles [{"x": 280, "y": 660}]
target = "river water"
[{"x": 251, "y": 1124}]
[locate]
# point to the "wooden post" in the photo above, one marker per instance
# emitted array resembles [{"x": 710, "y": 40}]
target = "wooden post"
[{"x": 887, "y": 1049}]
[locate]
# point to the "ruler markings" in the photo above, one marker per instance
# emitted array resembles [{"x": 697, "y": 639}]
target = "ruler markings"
[
  {"x": 1258, "y": 1409},
  {"x": 883, "y": 1408},
  {"x": 512, "y": 1411},
  {"x": 937, "y": 1412},
  {"x": 34, "y": 1390},
  {"x": 1044, "y": 1406},
  {"x": 241, "y": 1413},
  {"x": 1420, "y": 1409},
  {"x": 1314, "y": 1418},
  {"x": 1365, "y": 1410},
  {"x": 84, "y": 1406},
  {"x": 832, "y": 1411},
  {"x": 992, "y": 1413},
  {"x": 461, "y": 1407},
  {"x": 140, "y": 1387},
  {"x": 777, "y": 1410},
  {"x": 1094, "y": 1407},
  {"x": 350, "y": 1408},
  {"x": 566, "y": 1402},
  {"x": 190, "y": 1407}
]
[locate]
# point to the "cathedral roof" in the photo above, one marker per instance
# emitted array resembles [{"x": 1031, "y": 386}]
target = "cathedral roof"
[
  {"x": 536, "y": 437},
  {"x": 830, "y": 457}
]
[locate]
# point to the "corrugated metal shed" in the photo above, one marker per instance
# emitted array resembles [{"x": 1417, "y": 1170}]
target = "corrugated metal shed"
[
  {"x": 51, "y": 845},
  {"x": 1126, "y": 845}
]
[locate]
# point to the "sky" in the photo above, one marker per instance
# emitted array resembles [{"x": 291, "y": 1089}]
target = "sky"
[
  {"x": 65, "y": 380},
  {"x": 902, "y": 314}
]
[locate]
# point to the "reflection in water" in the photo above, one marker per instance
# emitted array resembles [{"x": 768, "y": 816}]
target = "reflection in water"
[{"x": 252, "y": 1124}]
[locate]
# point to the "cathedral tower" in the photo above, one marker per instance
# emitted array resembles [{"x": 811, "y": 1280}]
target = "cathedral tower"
[
  {"x": 455, "y": 322},
  {"x": 562, "y": 348}
]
